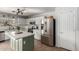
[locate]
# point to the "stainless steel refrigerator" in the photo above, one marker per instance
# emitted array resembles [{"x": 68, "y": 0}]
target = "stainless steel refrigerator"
[{"x": 48, "y": 35}]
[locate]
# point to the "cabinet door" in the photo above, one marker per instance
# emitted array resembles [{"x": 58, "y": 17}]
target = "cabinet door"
[
  {"x": 66, "y": 30},
  {"x": 28, "y": 43},
  {"x": 6, "y": 37},
  {"x": 45, "y": 40}
]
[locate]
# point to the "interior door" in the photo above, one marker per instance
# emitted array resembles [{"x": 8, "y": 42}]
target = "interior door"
[
  {"x": 66, "y": 30},
  {"x": 77, "y": 30}
]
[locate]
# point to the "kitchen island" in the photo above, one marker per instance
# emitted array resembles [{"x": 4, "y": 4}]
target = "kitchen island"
[{"x": 21, "y": 41}]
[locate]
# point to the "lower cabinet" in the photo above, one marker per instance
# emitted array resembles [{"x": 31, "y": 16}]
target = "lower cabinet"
[
  {"x": 24, "y": 44},
  {"x": 2, "y": 35},
  {"x": 48, "y": 40},
  {"x": 6, "y": 37},
  {"x": 28, "y": 43},
  {"x": 45, "y": 40}
]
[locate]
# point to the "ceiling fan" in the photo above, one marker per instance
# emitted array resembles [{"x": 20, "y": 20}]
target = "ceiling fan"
[{"x": 19, "y": 11}]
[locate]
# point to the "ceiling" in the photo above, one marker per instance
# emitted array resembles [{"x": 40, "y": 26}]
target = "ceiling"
[{"x": 28, "y": 10}]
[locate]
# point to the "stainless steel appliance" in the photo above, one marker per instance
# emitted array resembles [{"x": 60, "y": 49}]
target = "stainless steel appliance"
[{"x": 48, "y": 35}]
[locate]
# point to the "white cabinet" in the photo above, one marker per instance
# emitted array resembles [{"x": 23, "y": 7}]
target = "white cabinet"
[
  {"x": 38, "y": 21},
  {"x": 6, "y": 37},
  {"x": 16, "y": 44},
  {"x": 37, "y": 34},
  {"x": 66, "y": 18}
]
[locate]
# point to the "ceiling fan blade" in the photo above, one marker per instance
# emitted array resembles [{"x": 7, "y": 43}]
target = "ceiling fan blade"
[{"x": 18, "y": 11}]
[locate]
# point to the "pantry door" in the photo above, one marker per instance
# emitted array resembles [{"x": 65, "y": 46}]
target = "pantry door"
[{"x": 66, "y": 28}]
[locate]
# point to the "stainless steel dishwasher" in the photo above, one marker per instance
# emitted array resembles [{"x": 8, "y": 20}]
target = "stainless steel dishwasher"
[{"x": 2, "y": 35}]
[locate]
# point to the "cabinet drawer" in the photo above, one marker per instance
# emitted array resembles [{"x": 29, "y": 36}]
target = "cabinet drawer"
[{"x": 44, "y": 40}]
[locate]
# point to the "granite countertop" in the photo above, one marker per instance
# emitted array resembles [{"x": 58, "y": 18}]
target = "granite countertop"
[{"x": 12, "y": 34}]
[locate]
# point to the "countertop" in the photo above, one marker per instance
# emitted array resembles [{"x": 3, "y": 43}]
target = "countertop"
[{"x": 12, "y": 34}]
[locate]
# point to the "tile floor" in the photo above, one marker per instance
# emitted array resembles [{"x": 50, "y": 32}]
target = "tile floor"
[{"x": 38, "y": 46}]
